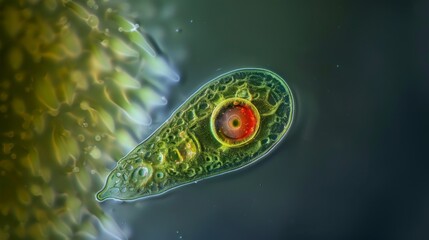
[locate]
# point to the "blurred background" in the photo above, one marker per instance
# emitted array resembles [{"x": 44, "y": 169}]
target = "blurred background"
[{"x": 353, "y": 164}]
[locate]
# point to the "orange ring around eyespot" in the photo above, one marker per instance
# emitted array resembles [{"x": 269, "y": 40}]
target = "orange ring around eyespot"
[{"x": 234, "y": 122}]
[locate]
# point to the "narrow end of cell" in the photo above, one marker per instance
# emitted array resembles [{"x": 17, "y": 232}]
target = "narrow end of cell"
[
  {"x": 169, "y": 74},
  {"x": 101, "y": 196},
  {"x": 174, "y": 76},
  {"x": 159, "y": 68},
  {"x": 137, "y": 114},
  {"x": 106, "y": 193},
  {"x": 111, "y": 227},
  {"x": 148, "y": 49}
]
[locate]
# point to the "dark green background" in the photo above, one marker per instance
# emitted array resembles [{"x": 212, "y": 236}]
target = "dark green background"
[{"x": 353, "y": 166}]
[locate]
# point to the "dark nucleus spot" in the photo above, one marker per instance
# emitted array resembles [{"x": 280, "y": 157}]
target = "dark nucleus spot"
[
  {"x": 203, "y": 106},
  {"x": 159, "y": 175}
]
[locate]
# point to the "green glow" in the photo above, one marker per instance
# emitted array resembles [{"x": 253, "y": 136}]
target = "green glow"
[{"x": 185, "y": 149}]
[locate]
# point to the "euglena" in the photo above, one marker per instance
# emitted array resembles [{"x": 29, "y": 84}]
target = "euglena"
[{"x": 229, "y": 123}]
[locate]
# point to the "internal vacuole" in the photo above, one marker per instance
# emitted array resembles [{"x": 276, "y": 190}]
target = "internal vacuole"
[{"x": 229, "y": 123}]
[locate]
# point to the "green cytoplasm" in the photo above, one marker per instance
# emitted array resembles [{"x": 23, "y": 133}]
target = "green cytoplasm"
[{"x": 229, "y": 123}]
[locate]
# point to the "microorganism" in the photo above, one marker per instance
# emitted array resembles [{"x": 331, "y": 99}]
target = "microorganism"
[{"x": 229, "y": 123}]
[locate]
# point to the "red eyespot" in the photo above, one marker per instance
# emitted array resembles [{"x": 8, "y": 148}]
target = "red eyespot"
[{"x": 235, "y": 122}]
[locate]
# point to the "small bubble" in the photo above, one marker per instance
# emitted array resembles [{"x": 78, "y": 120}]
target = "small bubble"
[
  {"x": 338, "y": 65},
  {"x": 118, "y": 174},
  {"x": 85, "y": 124},
  {"x": 92, "y": 21},
  {"x": 191, "y": 21},
  {"x": 178, "y": 30},
  {"x": 92, "y": 4},
  {"x": 81, "y": 138},
  {"x": 97, "y": 138}
]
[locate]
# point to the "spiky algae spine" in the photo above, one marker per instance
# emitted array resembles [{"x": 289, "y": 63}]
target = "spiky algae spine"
[
  {"x": 232, "y": 121},
  {"x": 77, "y": 79}
]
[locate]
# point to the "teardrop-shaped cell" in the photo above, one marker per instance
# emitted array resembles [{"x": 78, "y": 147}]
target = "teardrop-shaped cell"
[{"x": 229, "y": 123}]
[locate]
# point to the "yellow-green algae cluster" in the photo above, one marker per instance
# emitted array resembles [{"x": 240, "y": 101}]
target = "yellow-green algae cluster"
[{"x": 78, "y": 81}]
